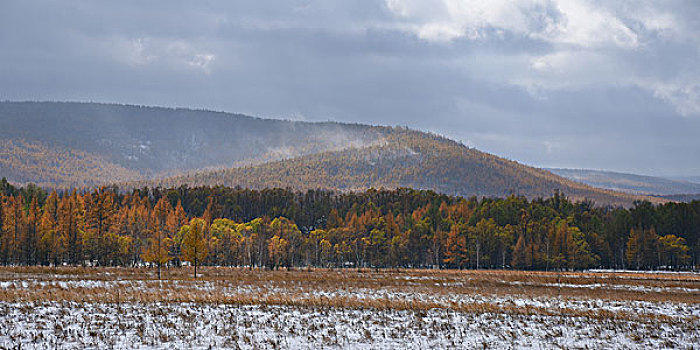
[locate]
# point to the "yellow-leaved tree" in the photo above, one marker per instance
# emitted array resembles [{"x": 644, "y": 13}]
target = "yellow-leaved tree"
[
  {"x": 194, "y": 244},
  {"x": 158, "y": 248}
]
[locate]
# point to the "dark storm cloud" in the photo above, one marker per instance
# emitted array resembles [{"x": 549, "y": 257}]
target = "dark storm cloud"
[{"x": 575, "y": 83}]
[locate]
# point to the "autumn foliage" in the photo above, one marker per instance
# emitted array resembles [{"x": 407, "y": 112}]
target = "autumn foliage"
[{"x": 276, "y": 228}]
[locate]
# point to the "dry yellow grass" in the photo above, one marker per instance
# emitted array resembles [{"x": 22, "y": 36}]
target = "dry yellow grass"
[
  {"x": 242, "y": 308},
  {"x": 350, "y": 288}
]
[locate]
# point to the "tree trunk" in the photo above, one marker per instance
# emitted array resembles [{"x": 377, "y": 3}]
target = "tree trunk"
[{"x": 478, "y": 246}]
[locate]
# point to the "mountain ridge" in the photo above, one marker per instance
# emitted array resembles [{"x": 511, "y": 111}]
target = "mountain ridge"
[
  {"x": 628, "y": 183},
  {"x": 69, "y": 144},
  {"x": 410, "y": 159},
  {"x": 159, "y": 141}
]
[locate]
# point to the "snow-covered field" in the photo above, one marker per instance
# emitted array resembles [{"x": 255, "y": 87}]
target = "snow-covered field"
[{"x": 315, "y": 310}]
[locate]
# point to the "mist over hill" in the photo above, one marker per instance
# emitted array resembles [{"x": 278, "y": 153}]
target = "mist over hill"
[
  {"x": 134, "y": 142},
  {"x": 65, "y": 144},
  {"x": 407, "y": 158}
]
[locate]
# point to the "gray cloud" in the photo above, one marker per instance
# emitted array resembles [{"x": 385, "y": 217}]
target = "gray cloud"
[{"x": 576, "y": 83}]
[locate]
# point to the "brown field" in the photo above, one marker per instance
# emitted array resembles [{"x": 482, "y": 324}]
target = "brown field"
[
  {"x": 642, "y": 304},
  {"x": 178, "y": 285}
]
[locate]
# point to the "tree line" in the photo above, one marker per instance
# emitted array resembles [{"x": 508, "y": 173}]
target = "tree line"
[{"x": 274, "y": 228}]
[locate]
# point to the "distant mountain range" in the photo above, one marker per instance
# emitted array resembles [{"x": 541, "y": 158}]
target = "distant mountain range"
[
  {"x": 61, "y": 144},
  {"x": 630, "y": 183}
]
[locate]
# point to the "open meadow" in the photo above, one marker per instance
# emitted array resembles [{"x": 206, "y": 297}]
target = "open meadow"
[{"x": 121, "y": 308}]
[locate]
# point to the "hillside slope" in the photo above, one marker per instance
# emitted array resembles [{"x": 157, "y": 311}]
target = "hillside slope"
[
  {"x": 406, "y": 159},
  {"x": 629, "y": 183},
  {"x": 145, "y": 142},
  {"x": 693, "y": 179},
  {"x": 58, "y": 144},
  {"x": 23, "y": 161}
]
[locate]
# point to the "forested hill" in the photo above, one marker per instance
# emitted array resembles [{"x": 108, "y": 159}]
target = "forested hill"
[
  {"x": 65, "y": 144},
  {"x": 406, "y": 158},
  {"x": 55, "y": 144}
]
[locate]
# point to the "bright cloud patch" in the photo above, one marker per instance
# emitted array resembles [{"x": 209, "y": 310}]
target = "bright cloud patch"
[
  {"x": 174, "y": 54},
  {"x": 589, "y": 43},
  {"x": 686, "y": 98},
  {"x": 573, "y": 22}
]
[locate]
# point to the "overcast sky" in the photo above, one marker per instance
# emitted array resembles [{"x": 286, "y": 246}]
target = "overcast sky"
[{"x": 566, "y": 83}]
